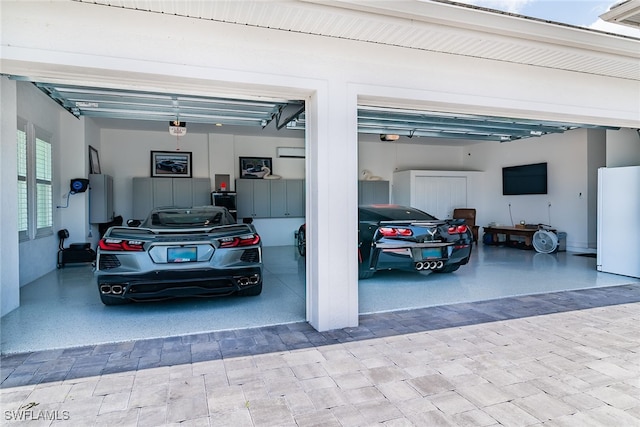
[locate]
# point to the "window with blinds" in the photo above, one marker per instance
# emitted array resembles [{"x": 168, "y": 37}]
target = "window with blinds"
[
  {"x": 44, "y": 214},
  {"x": 35, "y": 168},
  {"x": 23, "y": 213}
]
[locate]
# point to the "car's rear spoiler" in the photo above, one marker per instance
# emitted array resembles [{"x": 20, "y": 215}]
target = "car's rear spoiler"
[{"x": 133, "y": 232}]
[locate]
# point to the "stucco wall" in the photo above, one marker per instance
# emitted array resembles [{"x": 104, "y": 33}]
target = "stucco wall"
[
  {"x": 623, "y": 148},
  {"x": 568, "y": 186}
]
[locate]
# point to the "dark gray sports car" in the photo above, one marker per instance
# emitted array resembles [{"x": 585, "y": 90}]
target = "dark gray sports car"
[
  {"x": 405, "y": 238},
  {"x": 176, "y": 252}
]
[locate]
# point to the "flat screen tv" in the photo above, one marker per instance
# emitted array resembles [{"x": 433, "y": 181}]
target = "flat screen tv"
[{"x": 525, "y": 179}]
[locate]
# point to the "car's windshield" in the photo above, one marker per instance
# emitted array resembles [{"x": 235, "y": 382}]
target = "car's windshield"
[{"x": 189, "y": 218}]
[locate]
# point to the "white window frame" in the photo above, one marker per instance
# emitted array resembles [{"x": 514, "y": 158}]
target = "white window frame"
[{"x": 39, "y": 221}]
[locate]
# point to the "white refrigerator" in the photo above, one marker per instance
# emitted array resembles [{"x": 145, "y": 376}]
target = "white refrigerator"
[{"x": 619, "y": 221}]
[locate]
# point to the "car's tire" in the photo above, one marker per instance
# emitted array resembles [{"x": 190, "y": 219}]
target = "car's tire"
[
  {"x": 447, "y": 268},
  {"x": 174, "y": 169},
  {"x": 365, "y": 274},
  {"x": 301, "y": 241},
  {"x": 251, "y": 292},
  {"x": 107, "y": 300}
]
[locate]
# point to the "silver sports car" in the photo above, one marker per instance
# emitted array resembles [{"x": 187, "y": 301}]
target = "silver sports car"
[{"x": 176, "y": 252}]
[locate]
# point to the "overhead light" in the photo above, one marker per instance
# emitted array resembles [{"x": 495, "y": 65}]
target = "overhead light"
[
  {"x": 389, "y": 137},
  {"x": 219, "y": 124},
  {"x": 177, "y": 128}
]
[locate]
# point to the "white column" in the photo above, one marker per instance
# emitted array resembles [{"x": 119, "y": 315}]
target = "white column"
[
  {"x": 9, "y": 272},
  {"x": 332, "y": 200}
]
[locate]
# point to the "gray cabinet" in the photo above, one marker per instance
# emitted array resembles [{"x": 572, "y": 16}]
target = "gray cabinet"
[
  {"x": 373, "y": 192},
  {"x": 287, "y": 198},
  {"x": 253, "y": 198},
  {"x": 149, "y": 193},
  {"x": 100, "y": 198},
  {"x": 270, "y": 198}
]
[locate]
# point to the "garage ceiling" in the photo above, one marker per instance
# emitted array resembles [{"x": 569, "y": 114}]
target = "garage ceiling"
[
  {"x": 166, "y": 107},
  {"x": 107, "y": 103}
]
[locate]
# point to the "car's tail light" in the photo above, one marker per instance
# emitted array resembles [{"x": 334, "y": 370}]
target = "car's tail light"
[
  {"x": 107, "y": 244},
  {"x": 395, "y": 232},
  {"x": 246, "y": 240},
  {"x": 460, "y": 229}
]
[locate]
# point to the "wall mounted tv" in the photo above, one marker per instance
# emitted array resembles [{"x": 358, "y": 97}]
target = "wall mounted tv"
[{"x": 525, "y": 179}]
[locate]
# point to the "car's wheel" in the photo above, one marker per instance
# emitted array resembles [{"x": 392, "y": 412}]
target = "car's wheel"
[
  {"x": 174, "y": 169},
  {"x": 251, "y": 292},
  {"x": 107, "y": 300},
  {"x": 447, "y": 268},
  {"x": 301, "y": 241}
]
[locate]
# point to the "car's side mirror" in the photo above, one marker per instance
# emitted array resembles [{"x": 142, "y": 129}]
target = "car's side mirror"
[{"x": 134, "y": 223}]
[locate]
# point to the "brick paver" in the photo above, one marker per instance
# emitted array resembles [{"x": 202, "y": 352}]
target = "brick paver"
[{"x": 570, "y": 359}]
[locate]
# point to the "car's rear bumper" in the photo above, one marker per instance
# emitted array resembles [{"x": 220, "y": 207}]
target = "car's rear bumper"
[
  {"x": 413, "y": 258},
  {"x": 169, "y": 284}
]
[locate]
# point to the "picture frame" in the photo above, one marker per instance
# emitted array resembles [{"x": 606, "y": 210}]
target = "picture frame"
[
  {"x": 254, "y": 167},
  {"x": 171, "y": 164},
  {"x": 94, "y": 161}
]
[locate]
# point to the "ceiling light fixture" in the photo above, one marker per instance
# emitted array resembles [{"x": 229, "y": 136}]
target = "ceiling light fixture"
[
  {"x": 177, "y": 128},
  {"x": 389, "y": 137}
]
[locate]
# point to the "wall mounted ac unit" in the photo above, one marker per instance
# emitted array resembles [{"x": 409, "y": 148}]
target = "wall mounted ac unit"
[{"x": 290, "y": 152}]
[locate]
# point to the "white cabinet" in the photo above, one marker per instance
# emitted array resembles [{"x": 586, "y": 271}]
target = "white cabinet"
[
  {"x": 100, "y": 198},
  {"x": 435, "y": 192},
  {"x": 149, "y": 193}
]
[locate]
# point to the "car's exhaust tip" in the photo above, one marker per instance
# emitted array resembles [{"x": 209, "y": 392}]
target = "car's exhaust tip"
[
  {"x": 107, "y": 289},
  {"x": 428, "y": 265},
  {"x": 248, "y": 281}
]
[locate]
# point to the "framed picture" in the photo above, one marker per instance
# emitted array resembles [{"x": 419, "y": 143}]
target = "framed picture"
[
  {"x": 171, "y": 164},
  {"x": 255, "y": 167},
  {"x": 94, "y": 161}
]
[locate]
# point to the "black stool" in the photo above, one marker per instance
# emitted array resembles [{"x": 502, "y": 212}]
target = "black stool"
[{"x": 75, "y": 253}]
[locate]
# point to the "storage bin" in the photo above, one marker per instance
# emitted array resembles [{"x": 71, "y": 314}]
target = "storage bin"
[{"x": 562, "y": 241}]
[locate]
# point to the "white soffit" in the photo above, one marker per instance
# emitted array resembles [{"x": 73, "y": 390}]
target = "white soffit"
[
  {"x": 438, "y": 26},
  {"x": 625, "y": 13}
]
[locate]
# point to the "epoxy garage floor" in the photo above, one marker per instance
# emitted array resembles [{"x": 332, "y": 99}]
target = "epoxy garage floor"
[{"x": 62, "y": 309}]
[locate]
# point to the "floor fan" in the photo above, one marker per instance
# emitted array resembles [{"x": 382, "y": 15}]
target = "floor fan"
[{"x": 545, "y": 241}]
